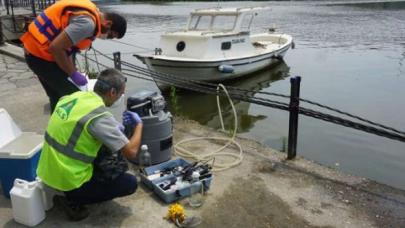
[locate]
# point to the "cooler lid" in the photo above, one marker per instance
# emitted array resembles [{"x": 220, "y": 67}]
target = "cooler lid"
[
  {"x": 23, "y": 147},
  {"x": 9, "y": 130}
]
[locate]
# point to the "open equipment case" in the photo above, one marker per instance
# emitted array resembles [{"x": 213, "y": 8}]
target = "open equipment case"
[{"x": 176, "y": 179}]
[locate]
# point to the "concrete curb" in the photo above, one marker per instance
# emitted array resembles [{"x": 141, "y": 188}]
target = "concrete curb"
[{"x": 12, "y": 51}]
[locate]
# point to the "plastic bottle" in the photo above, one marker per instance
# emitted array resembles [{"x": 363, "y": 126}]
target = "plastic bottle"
[
  {"x": 27, "y": 203},
  {"x": 146, "y": 159},
  {"x": 196, "y": 191}
]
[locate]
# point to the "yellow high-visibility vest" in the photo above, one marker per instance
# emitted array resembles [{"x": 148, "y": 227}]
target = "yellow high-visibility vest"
[{"x": 69, "y": 149}]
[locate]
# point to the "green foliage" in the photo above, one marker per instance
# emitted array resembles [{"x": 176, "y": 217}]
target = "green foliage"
[
  {"x": 91, "y": 73},
  {"x": 285, "y": 144},
  {"x": 174, "y": 100}
]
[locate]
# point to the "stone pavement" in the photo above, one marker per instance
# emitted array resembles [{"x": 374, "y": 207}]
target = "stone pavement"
[{"x": 14, "y": 74}]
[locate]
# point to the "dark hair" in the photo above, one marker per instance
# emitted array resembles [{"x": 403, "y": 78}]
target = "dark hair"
[
  {"x": 108, "y": 79},
  {"x": 119, "y": 23}
]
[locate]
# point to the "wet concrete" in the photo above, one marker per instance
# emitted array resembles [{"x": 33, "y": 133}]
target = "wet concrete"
[
  {"x": 253, "y": 205},
  {"x": 264, "y": 191}
]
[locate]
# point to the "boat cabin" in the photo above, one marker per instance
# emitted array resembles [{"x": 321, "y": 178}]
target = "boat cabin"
[
  {"x": 233, "y": 20},
  {"x": 212, "y": 34}
]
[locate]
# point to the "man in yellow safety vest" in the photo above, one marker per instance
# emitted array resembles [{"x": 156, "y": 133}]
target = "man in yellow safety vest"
[{"x": 77, "y": 129}]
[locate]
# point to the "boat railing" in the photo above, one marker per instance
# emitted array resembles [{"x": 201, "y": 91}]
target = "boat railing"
[
  {"x": 228, "y": 11},
  {"x": 245, "y": 33}
]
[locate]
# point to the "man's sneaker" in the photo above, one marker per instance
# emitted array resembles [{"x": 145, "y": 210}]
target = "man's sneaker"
[{"x": 74, "y": 212}]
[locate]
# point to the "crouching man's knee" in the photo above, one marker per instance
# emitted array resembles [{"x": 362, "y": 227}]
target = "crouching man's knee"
[
  {"x": 129, "y": 183},
  {"x": 133, "y": 185}
]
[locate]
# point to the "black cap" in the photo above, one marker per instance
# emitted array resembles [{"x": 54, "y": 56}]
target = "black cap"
[{"x": 119, "y": 23}]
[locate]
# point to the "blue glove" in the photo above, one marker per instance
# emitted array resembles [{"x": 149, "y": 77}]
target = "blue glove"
[
  {"x": 131, "y": 118},
  {"x": 78, "y": 78}
]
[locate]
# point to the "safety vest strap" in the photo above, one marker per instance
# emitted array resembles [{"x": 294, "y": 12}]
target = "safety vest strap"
[
  {"x": 68, "y": 149},
  {"x": 43, "y": 28},
  {"x": 77, "y": 131}
]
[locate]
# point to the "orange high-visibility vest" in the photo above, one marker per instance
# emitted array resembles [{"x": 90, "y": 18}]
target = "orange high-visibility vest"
[{"x": 51, "y": 22}]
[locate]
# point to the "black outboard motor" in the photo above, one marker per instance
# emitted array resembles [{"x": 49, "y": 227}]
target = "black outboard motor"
[{"x": 157, "y": 125}]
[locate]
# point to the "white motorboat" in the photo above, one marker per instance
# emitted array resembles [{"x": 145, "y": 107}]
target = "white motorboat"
[{"x": 217, "y": 45}]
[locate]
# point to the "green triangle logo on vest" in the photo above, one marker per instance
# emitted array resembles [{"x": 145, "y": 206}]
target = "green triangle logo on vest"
[{"x": 64, "y": 110}]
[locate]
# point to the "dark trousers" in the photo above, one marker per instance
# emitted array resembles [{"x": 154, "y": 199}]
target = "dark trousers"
[
  {"x": 52, "y": 77},
  {"x": 96, "y": 191}
]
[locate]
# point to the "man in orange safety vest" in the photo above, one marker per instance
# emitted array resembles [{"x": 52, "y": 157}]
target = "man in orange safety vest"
[{"x": 60, "y": 31}]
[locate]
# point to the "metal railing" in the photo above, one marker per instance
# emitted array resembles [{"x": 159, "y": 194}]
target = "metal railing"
[
  {"x": 34, "y": 5},
  {"x": 293, "y": 107},
  {"x": 20, "y": 21}
]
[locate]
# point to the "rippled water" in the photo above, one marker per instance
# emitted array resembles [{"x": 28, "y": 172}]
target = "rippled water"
[{"x": 351, "y": 56}]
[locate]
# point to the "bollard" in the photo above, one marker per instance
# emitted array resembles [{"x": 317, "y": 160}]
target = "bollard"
[
  {"x": 117, "y": 60},
  {"x": 294, "y": 112}
]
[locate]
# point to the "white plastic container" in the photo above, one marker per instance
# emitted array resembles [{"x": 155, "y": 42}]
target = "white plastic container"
[{"x": 27, "y": 202}]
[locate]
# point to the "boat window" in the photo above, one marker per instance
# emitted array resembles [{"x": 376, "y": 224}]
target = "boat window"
[
  {"x": 193, "y": 22},
  {"x": 226, "y": 45},
  {"x": 247, "y": 22},
  {"x": 180, "y": 46},
  {"x": 223, "y": 23},
  {"x": 200, "y": 22}
]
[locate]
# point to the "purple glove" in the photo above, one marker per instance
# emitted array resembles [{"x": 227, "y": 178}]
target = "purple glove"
[
  {"x": 78, "y": 78},
  {"x": 132, "y": 118}
]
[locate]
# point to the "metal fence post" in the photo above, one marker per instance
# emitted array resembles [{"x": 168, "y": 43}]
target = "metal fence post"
[
  {"x": 294, "y": 112},
  {"x": 7, "y": 3},
  {"x": 1, "y": 33},
  {"x": 13, "y": 16},
  {"x": 117, "y": 60},
  {"x": 33, "y": 8}
]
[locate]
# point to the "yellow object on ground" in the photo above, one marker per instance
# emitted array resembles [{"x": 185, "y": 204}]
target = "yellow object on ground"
[{"x": 176, "y": 212}]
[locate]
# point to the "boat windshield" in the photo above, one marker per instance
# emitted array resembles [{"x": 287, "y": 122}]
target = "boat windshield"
[{"x": 212, "y": 23}]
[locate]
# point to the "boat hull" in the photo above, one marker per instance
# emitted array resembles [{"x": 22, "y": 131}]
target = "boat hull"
[{"x": 209, "y": 70}]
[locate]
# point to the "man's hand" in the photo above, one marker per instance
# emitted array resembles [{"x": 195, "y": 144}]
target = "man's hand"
[
  {"x": 132, "y": 118},
  {"x": 78, "y": 78},
  {"x": 58, "y": 49}
]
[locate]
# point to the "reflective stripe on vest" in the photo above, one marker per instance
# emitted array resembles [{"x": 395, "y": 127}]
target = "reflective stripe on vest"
[
  {"x": 47, "y": 24},
  {"x": 68, "y": 149},
  {"x": 42, "y": 28}
]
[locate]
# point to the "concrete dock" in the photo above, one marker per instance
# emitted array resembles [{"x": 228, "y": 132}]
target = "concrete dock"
[{"x": 264, "y": 191}]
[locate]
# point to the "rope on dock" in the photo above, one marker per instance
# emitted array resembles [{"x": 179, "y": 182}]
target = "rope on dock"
[{"x": 205, "y": 157}]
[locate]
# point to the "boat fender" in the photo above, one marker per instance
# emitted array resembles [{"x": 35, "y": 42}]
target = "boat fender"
[
  {"x": 226, "y": 68},
  {"x": 292, "y": 45}
]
